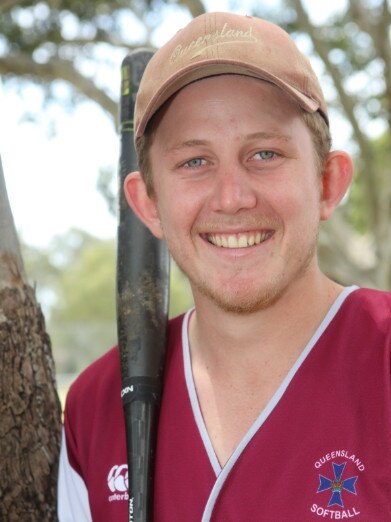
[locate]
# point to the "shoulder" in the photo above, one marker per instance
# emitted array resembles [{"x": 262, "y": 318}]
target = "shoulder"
[
  {"x": 373, "y": 296},
  {"x": 102, "y": 378},
  {"x": 366, "y": 316},
  {"x": 375, "y": 304},
  {"x": 102, "y": 374},
  {"x": 93, "y": 414}
]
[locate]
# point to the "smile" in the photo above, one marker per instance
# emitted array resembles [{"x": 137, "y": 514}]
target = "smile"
[{"x": 241, "y": 240}]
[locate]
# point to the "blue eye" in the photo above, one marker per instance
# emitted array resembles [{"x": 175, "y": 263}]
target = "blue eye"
[
  {"x": 265, "y": 154},
  {"x": 195, "y": 162}
]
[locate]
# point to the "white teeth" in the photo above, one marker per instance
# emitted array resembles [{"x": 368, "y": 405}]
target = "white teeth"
[
  {"x": 238, "y": 240},
  {"x": 242, "y": 243},
  {"x": 232, "y": 242}
]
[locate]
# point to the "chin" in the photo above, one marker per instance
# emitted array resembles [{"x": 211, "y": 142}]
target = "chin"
[{"x": 241, "y": 302}]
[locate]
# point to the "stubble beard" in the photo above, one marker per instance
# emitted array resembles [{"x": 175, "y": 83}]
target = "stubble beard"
[
  {"x": 245, "y": 303},
  {"x": 238, "y": 302}
]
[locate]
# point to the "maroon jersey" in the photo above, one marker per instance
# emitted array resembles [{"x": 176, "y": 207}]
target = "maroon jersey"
[{"x": 319, "y": 450}]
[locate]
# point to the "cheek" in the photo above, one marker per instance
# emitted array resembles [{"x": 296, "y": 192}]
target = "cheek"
[
  {"x": 177, "y": 205},
  {"x": 174, "y": 216},
  {"x": 302, "y": 204}
]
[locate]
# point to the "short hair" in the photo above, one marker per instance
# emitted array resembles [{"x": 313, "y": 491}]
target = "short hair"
[{"x": 320, "y": 134}]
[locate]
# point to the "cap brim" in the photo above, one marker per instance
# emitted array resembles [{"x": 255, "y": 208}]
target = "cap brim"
[{"x": 205, "y": 69}]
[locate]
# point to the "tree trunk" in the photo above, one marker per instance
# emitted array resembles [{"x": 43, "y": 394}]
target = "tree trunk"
[{"x": 30, "y": 412}]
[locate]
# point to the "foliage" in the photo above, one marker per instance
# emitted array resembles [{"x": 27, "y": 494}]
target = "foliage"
[
  {"x": 354, "y": 49},
  {"x": 76, "y": 285},
  {"x": 82, "y": 44},
  {"x": 358, "y": 209},
  {"x": 180, "y": 294},
  {"x": 76, "y": 42}
]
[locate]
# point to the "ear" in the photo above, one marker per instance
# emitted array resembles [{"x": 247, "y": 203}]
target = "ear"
[
  {"x": 142, "y": 204},
  {"x": 336, "y": 178}
]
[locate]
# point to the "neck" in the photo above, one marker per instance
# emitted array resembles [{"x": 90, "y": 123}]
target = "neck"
[{"x": 220, "y": 339}]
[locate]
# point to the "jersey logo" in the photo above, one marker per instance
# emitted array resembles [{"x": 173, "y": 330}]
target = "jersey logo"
[
  {"x": 338, "y": 475},
  {"x": 118, "y": 482},
  {"x": 337, "y": 485}
]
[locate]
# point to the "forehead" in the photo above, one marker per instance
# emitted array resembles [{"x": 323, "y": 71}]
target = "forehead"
[{"x": 219, "y": 103}]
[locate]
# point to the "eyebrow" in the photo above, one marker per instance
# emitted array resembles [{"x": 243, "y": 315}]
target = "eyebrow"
[
  {"x": 268, "y": 136},
  {"x": 187, "y": 144},
  {"x": 255, "y": 135}
]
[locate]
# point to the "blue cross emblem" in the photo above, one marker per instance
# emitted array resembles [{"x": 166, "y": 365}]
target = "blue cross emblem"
[{"x": 337, "y": 485}]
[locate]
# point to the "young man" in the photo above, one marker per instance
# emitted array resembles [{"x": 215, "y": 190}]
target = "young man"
[{"x": 276, "y": 402}]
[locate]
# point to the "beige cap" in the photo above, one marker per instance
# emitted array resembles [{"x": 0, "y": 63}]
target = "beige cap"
[{"x": 227, "y": 43}]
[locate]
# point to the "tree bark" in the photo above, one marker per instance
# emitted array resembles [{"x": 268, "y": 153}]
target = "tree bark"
[{"x": 30, "y": 412}]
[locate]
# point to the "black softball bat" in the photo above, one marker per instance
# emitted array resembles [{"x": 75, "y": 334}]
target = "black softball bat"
[{"x": 142, "y": 309}]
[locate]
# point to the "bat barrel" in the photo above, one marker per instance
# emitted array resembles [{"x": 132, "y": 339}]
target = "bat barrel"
[{"x": 142, "y": 305}]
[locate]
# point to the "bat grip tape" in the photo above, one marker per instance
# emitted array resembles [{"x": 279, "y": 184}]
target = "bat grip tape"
[{"x": 145, "y": 389}]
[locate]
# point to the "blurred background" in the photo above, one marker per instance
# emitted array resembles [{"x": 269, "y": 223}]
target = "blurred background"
[{"x": 59, "y": 144}]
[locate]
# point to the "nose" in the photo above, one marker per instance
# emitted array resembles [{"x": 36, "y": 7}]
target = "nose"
[{"x": 232, "y": 190}]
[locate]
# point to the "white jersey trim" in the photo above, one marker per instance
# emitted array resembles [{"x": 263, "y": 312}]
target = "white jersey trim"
[
  {"x": 223, "y": 473},
  {"x": 73, "y": 504},
  {"x": 193, "y": 396}
]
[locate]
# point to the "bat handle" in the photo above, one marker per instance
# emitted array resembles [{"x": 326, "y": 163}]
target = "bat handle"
[{"x": 141, "y": 400}]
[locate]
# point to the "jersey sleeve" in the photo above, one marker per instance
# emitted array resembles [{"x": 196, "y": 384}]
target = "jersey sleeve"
[
  {"x": 92, "y": 417},
  {"x": 73, "y": 504}
]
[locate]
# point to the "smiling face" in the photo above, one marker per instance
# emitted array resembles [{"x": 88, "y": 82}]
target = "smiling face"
[{"x": 236, "y": 191}]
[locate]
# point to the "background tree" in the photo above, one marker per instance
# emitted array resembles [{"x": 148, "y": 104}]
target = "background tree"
[
  {"x": 30, "y": 412},
  {"x": 355, "y": 50},
  {"x": 82, "y": 43},
  {"x": 77, "y": 284}
]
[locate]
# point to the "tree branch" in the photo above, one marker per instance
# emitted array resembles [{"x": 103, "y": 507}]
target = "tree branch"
[
  {"x": 322, "y": 50},
  {"x": 376, "y": 23},
  {"x": 196, "y": 7},
  {"x": 103, "y": 37},
  {"x": 7, "y": 4},
  {"x": 340, "y": 256},
  {"x": 348, "y": 106},
  {"x": 384, "y": 49},
  {"x": 24, "y": 66},
  {"x": 11, "y": 263}
]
